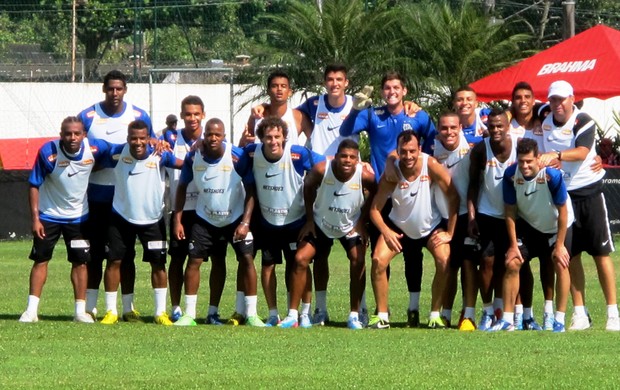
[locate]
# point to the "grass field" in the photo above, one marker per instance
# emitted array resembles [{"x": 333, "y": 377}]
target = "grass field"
[{"x": 57, "y": 353}]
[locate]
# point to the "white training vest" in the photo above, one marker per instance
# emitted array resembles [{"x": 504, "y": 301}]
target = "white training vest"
[
  {"x": 293, "y": 137},
  {"x": 180, "y": 150},
  {"x": 325, "y": 136},
  {"x": 577, "y": 174},
  {"x": 412, "y": 209},
  {"x": 279, "y": 188},
  {"x": 535, "y": 203},
  {"x": 457, "y": 163},
  {"x": 491, "y": 198},
  {"x": 112, "y": 130},
  {"x": 139, "y": 188},
  {"x": 338, "y": 205},
  {"x": 221, "y": 199},
  {"x": 63, "y": 192}
]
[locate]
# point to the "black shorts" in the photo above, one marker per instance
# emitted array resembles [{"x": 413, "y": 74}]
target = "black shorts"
[
  {"x": 179, "y": 248},
  {"x": 412, "y": 247},
  {"x": 122, "y": 236},
  {"x": 492, "y": 231},
  {"x": 463, "y": 247},
  {"x": 591, "y": 232},
  {"x": 275, "y": 241},
  {"x": 78, "y": 248},
  {"x": 99, "y": 217},
  {"x": 533, "y": 243},
  {"x": 323, "y": 244},
  {"x": 208, "y": 240}
]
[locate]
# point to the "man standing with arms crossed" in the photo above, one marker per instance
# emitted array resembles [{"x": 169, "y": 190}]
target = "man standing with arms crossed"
[{"x": 108, "y": 121}]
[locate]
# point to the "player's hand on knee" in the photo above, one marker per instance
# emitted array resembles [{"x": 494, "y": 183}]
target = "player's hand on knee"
[
  {"x": 440, "y": 237},
  {"x": 560, "y": 256},
  {"x": 307, "y": 230},
  {"x": 392, "y": 240},
  {"x": 514, "y": 254}
]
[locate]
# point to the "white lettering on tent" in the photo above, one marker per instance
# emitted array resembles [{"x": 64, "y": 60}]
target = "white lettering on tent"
[{"x": 567, "y": 67}]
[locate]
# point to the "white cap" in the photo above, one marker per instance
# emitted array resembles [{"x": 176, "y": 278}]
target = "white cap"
[{"x": 560, "y": 88}]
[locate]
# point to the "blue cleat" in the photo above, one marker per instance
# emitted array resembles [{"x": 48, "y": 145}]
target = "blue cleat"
[
  {"x": 354, "y": 323},
  {"x": 519, "y": 321},
  {"x": 548, "y": 321},
  {"x": 501, "y": 325},
  {"x": 531, "y": 324},
  {"x": 558, "y": 328},
  {"x": 486, "y": 321},
  {"x": 289, "y": 322},
  {"x": 304, "y": 321}
]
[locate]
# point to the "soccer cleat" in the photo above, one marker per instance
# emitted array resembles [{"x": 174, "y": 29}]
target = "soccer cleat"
[
  {"x": 613, "y": 324},
  {"x": 548, "y": 321},
  {"x": 214, "y": 319},
  {"x": 413, "y": 318},
  {"x": 255, "y": 321},
  {"x": 558, "y": 327},
  {"x": 436, "y": 323},
  {"x": 377, "y": 323},
  {"x": 235, "y": 320},
  {"x": 272, "y": 321},
  {"x": 363, "y": 317},
  {"x": 579, "y": 322},
  {"x": 501, "y": 325},
  {"x": 467, "y": 325},
  {"x": 518, "y": 321},
  {"x": 93, "y": 314},
  {"x": 84, "y": 318},
  {"x": 289, "y": 322},
  {"x": 354, "y": 323},
  {"x": 110, "y": 318},
  {"x": 486, "y": 321},
  {"x": 176, "y": 314},
  {"x": 132, "y": 316},
  {"x": 531, "y": 324},
  {"x": 163, "y": 319},
  {"x": 185, "y": 320},
  {"x": 320, "y": 317},
  {"x": 304, "y": 321},
  {"x": 446, "y": 321},
  {"x": 28, "y": 317}
]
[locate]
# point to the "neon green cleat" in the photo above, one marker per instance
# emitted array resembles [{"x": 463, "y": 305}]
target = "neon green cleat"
[
  {"x": 185, "y": 320},
  {"x": 236, "y": 319},
  {"x": 132, "y": 316},
  {"x": 163, "y": 319},
  {"x": 110, "y": 318},
  {"x": 436, "y": 323},
  {"x": 377, "y": 323},
  {"x": 255, "y": 321}
]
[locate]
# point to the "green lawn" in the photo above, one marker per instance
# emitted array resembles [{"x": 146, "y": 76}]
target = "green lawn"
[{"x": 57, "y": 353}]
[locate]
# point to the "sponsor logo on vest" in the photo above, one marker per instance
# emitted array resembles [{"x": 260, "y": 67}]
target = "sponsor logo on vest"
[{"x": 567, "y": 67}]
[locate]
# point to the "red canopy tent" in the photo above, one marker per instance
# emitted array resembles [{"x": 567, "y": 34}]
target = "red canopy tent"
[{"x": 590, "y": 61}]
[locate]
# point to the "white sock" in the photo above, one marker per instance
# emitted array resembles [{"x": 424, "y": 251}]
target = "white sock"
[
  {"x": 509, "y": 317},
  {"x": 518, "y": 309},
  {"x": 305, "y": 308},
  {"x": 354, "y": 316},
  {"x": 160, "y": 295},
  {"x": 447, "y": 313},
  {"x": 190, "y": 305},
  {"x": 498, "y": 303},
  {"x": 213, "y": 310},
  {"x": 321, "y": 300},
  {"x": 579, "y": 311},
  {"x": 384, "y": 315},
  {"x": 273, "y": 313},
  {"x": 176, "y": 309},
  {"x": 127, "y": 300},
  {"x": 250, "y": 305},
  {"x": 240, "y": 303},
  {"x": 612, "y": 311},
  {"x": 433, "y": 315},
  {"x": 363, "y": 306},
  {"x": 488, "y": 308},
  {"x": 92, "y": 295},
  {"x": 559, "y": 317},
  {"x": 110, "y": 301},
  {"x": 527, "y": 313},
  {"x": 33, "y": 304},
  {"x": 470, "y": 312},
  {"x": 293, "y": 313},
  {"x": 548, "y": 307},
  {"x": 414, "y": 300},
  {"x": 80, "y": 307}
]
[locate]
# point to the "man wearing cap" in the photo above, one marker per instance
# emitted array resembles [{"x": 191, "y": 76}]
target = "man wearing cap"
[{"x": 568, "y": 139}]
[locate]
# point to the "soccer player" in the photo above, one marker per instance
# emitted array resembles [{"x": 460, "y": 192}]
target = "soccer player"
[
  {"x": 452, "y": 151},
  {"x": 485, "y": 206},
  {"x": 336, "y": 209},
  {"x": 277, "y": 170},
  {"x": 108, "y": 121},
  {"x": 59, "y": 205},
  {"x": 171, "y": 125},
  {"x": 414, "y": 223},
  {"x": 223, "y": 211},
  {"x": 137, "y": 210},
  {"x": 538, "y": 198},
  {"x": 473, "y": 118},
  {"x": 569, "y": 137}
]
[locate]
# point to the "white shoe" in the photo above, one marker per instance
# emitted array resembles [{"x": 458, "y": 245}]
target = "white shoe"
[
  {"x": 579, "y": 323},
  {"x": 84, "y": 318},
  {"x": 613, "y": 324},
  {"x": 28, "y": 317}
]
